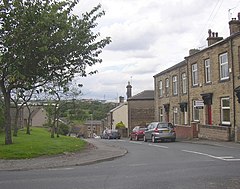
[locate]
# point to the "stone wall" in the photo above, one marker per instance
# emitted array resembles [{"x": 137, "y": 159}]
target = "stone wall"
[{"x": 211, "y": 132}]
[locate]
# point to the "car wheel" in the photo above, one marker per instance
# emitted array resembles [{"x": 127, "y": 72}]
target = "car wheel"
[
  {"x": 144, "y": 139},
  {"x": 136, "y": 137},
  {"x": 153, "y": 139}
]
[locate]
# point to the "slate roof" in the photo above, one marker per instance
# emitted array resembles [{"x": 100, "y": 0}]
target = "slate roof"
[
  {"x": 144, "y": 95},
  {"x": 180, "y": 64}
]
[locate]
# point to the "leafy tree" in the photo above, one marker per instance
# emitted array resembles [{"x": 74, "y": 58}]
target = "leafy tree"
[{"x": 42, "y": 41}]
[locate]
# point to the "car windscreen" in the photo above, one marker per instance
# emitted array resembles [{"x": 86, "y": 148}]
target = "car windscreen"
[
  {"x": 142, "y": 129},
  {"x": 163, "y": 125}
]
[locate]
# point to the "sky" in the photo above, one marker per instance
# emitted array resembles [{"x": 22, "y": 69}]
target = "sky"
[{"x": 149, "y": 36}]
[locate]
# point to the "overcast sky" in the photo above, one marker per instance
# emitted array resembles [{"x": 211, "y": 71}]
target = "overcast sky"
[{"x": 149, "y": 36}]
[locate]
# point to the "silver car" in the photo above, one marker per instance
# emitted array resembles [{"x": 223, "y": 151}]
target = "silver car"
[{"x": 157, "y": 131}]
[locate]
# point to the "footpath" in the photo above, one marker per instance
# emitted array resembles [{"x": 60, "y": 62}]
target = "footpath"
[{"x": 96, "y": 151}]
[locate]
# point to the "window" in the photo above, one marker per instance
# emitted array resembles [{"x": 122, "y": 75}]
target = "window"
[
  {"x": 195, "y": 112},
  {"x": 207, "y": 71},
  {"x": 167, "y": 87},
  {"x": 225, "y": 111},
  {"x": 224, "y": 72},
  {"x": 160, "y": 89},
  {"x": 175, "y": 91},
  {"x": 184, "y": 83},
  {"x": 194, "y": 75},
  {"x": 175, "y": 115},
  {"x": 161, "y": 114}
]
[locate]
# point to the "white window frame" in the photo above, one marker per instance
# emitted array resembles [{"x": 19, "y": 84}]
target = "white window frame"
[
  {"x": 161, "y": 114},
  {"x": 194, "y": 74},
  {"x": 175, "y": 85},
  {"x": 224, "y": 122},
  {"x": 175, "y": 115},
  {"x": 160, "y": 88},
  {"x": 224, "y": 69},
  {"x": 167, "y": 86},
  {"x": 207, "y": 70},
  {"x": 195, "y": 110},
  {"x": 184, "y": 83}
]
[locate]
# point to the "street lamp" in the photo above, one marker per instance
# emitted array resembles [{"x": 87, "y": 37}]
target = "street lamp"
[{"x": 91, "y": 134}]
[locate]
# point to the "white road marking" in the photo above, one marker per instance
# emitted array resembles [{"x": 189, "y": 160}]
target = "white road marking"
[
  {"x": 135, "y": 142},
  {"x": 224, "y": 158},
  {"x": 61, "y": 169},
  {"x": 136, "y": 165},
  {"x": 159, "y": 146}
]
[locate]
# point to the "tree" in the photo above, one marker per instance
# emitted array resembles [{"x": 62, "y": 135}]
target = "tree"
[
  {"x": 42, "y": 41},
  {"x": 20, "y": 98}
]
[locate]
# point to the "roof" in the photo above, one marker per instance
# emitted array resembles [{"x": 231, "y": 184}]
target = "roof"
[
  {"x": 144, "y": 95},
  {"x": 180, "y": 64},
  {"x": 119, "y": 106},
  {"x": 217, "y": 43}
]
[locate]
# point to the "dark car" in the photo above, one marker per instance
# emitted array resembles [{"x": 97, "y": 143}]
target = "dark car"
[
  {"x": 111, "y": 134},
  {"x": 159, "y": 131},
  {"x": 137, "y": 133}
]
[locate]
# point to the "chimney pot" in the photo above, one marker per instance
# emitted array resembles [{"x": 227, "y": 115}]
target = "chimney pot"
[{"x": 210, "y": 32}]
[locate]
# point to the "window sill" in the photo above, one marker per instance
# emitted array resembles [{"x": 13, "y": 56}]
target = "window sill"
[{"x": 224, "y": 80}]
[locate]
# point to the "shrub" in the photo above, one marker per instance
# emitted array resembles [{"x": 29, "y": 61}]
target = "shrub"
[
  {"x": 120, "y": 125},
  {"x": 63, "y": 129}
]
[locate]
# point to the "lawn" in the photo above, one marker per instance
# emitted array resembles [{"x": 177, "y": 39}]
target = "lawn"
[{"x": 39, "y": 143}]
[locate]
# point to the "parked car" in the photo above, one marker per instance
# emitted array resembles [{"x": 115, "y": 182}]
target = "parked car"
[
  {"x": 159, "y": 131},
  {"x": 111, "y": 134},
  {"x": 137, "y": 133}
]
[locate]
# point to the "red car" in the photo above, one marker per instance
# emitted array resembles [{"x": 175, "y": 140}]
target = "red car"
[{"x": 137, "y": 133}]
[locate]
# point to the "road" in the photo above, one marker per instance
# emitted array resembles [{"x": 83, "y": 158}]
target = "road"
[{"x": 169, "y": 165}]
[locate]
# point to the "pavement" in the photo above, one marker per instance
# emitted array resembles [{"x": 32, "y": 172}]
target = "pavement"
[{"x": 96, "y": 151}]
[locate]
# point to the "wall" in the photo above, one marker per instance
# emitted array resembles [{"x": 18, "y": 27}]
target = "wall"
[
  {"x": 172, "y": 100},
  {"x": 120, "y": 114},
  {"x": 214, "y": 132},
  {"x": 140, "y": 112},
  {"x": 186, "y": 131}
]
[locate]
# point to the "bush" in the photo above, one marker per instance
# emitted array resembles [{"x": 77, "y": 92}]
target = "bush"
[
  {"x": 63, "y": 129},
  {"x": 120, "y": 125}
]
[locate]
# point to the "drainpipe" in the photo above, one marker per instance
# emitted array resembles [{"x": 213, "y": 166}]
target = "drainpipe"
[
  {"x": 188, "y": 92},
  {"x": 233, "y": 95}
]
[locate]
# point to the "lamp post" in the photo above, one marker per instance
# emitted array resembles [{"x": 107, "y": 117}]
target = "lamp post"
[{"x": 91, "y": 134}]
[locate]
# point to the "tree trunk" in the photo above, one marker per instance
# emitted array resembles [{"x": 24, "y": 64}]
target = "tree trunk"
[
  {"x": 28, "y": 130},
  {"x": 15, "y": 126},
  {"x": 28, "y": 123},
  {"x": 8, "y": 132}
]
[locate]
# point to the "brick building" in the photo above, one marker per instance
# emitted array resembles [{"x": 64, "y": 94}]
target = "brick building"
[{"x": 203, "y": 88}]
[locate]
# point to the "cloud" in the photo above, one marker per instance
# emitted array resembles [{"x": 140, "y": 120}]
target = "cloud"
[{"x": 148, "y": 37}]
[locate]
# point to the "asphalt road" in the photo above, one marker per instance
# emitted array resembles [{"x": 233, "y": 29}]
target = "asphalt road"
[{"x": 170, "y": 165}]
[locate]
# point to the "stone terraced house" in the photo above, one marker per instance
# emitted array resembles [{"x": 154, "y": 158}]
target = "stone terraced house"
[{"x": 204, "y": 89}]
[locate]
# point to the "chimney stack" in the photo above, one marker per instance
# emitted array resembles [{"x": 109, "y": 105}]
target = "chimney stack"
[
  {"x": 234, "y": 25},
  {"x": 129, "y": 90},
  {"x": 121, "y": 99},
  {"x": 213, "y": 37},
  {"x": 193, "y": 51}
]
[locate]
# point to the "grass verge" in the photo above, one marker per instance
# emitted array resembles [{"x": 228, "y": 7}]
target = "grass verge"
[{"x": 39, "y": 143}]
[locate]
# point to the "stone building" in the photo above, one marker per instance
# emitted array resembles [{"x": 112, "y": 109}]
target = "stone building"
[
  {"x": 171, "y": 94},
  {"x": 203, "y": 88},
  {"x": 140, "y": 109},
  {"x": 137, "y": 110}
]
